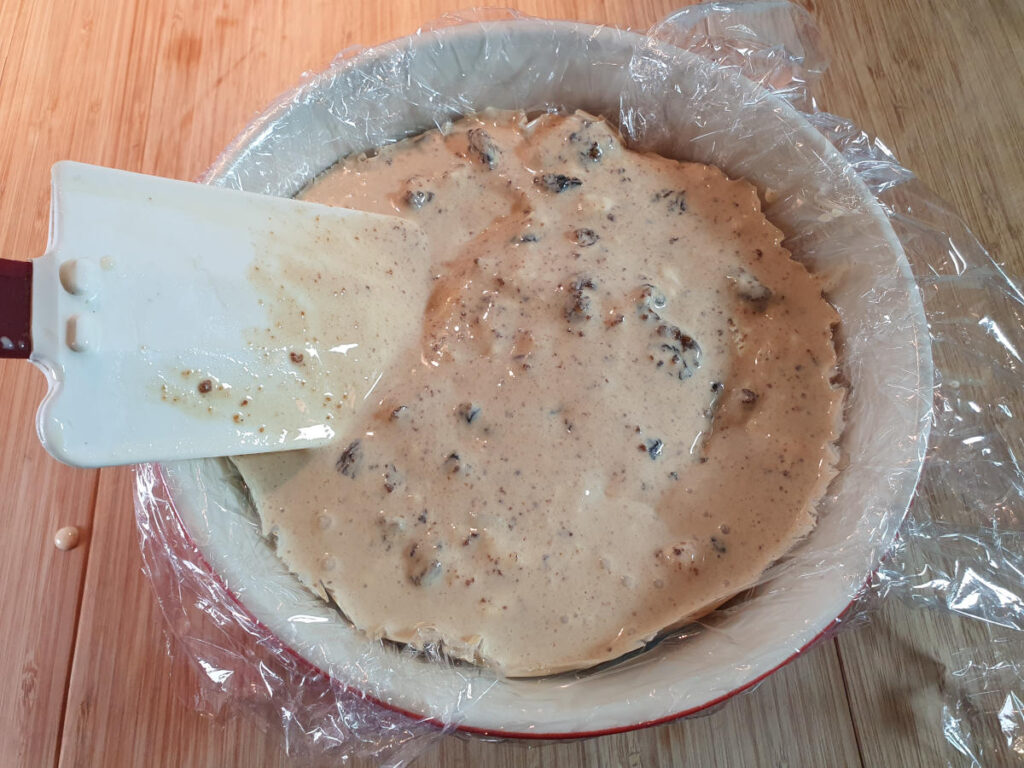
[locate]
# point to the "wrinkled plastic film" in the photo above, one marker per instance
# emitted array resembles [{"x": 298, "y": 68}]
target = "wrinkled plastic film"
[
  {"x": 961, "y": 548},
  {"x": 243, "y": 665},
  {"x": 264, "y": 643}
]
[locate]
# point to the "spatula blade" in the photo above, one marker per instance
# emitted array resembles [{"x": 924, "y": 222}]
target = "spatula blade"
[{"x": 176, "y": 320}]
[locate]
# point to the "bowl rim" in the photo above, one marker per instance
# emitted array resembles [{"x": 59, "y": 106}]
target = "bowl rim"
[
  {"x": 235, "y": 153},
  {"x": 283, "y": 647}
]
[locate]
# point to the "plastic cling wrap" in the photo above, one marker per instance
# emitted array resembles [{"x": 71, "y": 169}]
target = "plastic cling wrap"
[{"x": 930, "y": 344}]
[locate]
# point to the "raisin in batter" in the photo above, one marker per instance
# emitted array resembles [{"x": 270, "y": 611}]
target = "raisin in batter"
[{"x": 618, "y": 414}]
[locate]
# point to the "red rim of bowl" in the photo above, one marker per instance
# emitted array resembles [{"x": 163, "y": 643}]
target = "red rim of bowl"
[{"x": 275, "y": 639}]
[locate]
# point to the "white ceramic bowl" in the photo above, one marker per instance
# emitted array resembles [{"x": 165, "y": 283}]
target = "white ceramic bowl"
[{"x": 691, "y": 112}]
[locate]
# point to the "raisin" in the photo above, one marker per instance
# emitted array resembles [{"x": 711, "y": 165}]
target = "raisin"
[
  {"x": 348, "y": 463},
  {"x": 585, "y": 237},
  {"x": 674, "y": 199},
  {"x": 468, "y": 412},
  {"x": 557, "y": 182},
  {"x": 453, "y": 463},
  {"x": 676, "y": 351},
  {"x": 424, "y": 575},
  {"x": 578, "y": 306},
  {"x": 205, "y": 386},
  {"x": 651, "y": 297},
  {"x": 672, "y": 332},
  {"x": 417, "y": 198},
  {"x": 296, "y": 357},
  {"x": 481, "y": 144}
]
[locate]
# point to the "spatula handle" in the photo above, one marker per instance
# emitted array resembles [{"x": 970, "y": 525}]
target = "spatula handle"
[{"x": 15, "y": 308}]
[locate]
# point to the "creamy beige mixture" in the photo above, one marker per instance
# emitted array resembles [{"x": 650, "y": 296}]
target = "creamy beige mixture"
[{"x": 619, "y": 411}]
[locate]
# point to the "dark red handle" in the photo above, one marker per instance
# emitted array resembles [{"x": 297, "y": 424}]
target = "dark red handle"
[{"x": 15, "y": 308}]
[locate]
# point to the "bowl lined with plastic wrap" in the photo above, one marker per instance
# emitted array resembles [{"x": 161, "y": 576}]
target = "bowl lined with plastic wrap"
[{"x": 673, "y": 102}]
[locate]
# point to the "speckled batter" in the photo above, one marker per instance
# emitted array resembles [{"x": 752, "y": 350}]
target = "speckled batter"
[{"x": 619, "y": 412}]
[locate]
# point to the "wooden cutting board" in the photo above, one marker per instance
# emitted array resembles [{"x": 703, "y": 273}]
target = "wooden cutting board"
[{"x": 160, "y": 87}]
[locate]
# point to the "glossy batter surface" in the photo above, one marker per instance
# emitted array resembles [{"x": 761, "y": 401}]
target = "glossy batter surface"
[{"x": 618, "y": 413}]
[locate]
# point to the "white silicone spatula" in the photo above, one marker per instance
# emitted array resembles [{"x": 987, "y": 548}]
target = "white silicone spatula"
[{"x": 157, "y": 342}]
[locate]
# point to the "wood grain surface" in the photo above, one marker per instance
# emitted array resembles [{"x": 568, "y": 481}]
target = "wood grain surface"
[{"x": 161, "y": 86}]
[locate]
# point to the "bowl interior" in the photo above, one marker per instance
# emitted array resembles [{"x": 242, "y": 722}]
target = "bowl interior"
[{"x": 674, "y": 103}]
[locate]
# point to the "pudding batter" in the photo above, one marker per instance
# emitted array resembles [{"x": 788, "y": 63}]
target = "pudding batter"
[{"x": 620, "y": 409}]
